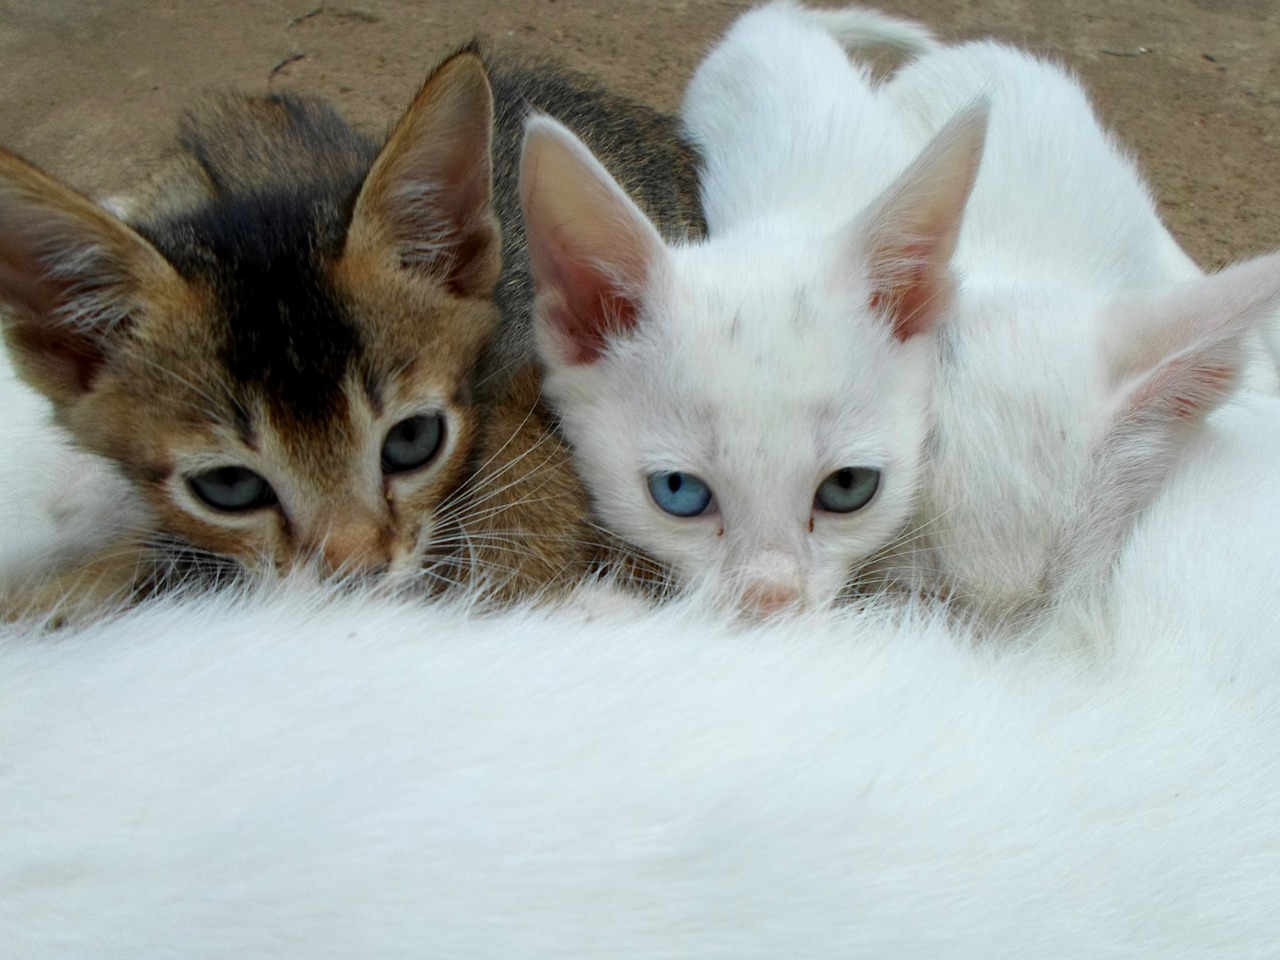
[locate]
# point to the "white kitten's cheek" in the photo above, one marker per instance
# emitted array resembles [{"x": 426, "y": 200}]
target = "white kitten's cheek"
[{"x": 822, "y": 591}]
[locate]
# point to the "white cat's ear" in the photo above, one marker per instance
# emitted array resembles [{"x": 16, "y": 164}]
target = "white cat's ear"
[
  {"x": 72, "y": 280},
  {"x": 591, "y": 249},
  {"x": 1176, "y": 354},
  {"x": 910, "y": 232},
  {"x": 429, "y": 194},
  {"x": 1172, "y": 358}
]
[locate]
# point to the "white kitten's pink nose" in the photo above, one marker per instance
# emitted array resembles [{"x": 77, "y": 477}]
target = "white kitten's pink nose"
[
  {"x": 771, "y": 599},
  {"x": 774, "y": 584}
]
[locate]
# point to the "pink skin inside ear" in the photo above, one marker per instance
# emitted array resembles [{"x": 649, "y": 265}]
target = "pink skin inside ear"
[
  {"x": 589, "y": 308},
  {"x": 912, "y": 292}
]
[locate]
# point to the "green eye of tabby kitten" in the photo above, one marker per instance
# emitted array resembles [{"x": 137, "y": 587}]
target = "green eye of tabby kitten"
[
  {"x": 412, "y": 443},
  {"x": 232, "y": 489},
  {"x": 847, "y": 490}
]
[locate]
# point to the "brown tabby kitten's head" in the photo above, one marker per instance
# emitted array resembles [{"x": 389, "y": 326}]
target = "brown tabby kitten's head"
[{"x": 280, "y": 353}]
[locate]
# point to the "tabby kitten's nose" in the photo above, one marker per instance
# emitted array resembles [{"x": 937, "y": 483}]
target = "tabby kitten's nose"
[{"x": 360, "y": 547}]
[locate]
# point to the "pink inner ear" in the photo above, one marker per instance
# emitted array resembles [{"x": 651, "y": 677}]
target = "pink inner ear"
[
  {"x": 910, "y": 290},
  {"x": 1214, "y": 381},
  {"x": 1188, "y": 391},
  {"x": 589, "y": 309}
]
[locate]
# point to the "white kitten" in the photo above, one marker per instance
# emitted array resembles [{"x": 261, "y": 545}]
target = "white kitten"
[
  {"x": 1085, "y": 354},
  {"x": 1086, "y": 348},
  {"x": 753, "y": 410}
]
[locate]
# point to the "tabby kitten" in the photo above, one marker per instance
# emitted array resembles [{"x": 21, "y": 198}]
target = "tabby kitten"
[{"x": 283, "y": 347}]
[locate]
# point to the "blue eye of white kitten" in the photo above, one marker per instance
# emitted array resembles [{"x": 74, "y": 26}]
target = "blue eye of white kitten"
[
  {"x": 412, "y": 443},
  {"x": 232, "y": 489},
  {"x": 679, "y": 494},
  {"x": 847, "y": 490}
]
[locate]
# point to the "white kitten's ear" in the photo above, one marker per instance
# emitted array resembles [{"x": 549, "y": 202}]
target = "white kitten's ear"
[
  {"x": 429, "y": 195},
  {"x": 72, "y": 280},
  {"x": 1172, "y": 358},
  {"x": 1175, "y": 355},
  {"x": 591, "y": 249},
  {"x": 910, "y": 233}
]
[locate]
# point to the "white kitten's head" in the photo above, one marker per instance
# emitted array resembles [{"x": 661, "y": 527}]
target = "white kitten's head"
[
  {"x": 753, "y": 410},
  {"x": 1061, "y": 413}
]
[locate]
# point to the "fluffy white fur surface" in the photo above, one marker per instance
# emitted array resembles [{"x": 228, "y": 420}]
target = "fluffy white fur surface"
[
  {"x": 303, "y": 775},
  {"x": 56, "y": 502}
]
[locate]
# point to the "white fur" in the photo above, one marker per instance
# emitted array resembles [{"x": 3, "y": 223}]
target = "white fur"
[
  {"x": 1087, "y": 346},
  {"x": 1196, "y": 584},
  {"x": 57, "y": 503},
  {"x": 310, "y": 776},
  {"x": 756, "y": 361}
]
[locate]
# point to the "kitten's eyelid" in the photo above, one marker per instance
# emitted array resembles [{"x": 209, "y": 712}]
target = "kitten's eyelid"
[
  {"x": 215, "y": 454},
  {"x": 203, "y": 464},
  {"x": 422, "y": 404}
]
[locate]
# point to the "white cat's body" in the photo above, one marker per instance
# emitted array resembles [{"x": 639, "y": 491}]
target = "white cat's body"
[
  {"x": 773, "y": 74},
  {"x": 1058, "y": 199},
  {"x": 1195, "y": 586},
  {"x": 307, "y": 776}
]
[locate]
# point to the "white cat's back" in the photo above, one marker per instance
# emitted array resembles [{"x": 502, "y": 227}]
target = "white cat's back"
[
  {"x": 306, "y": 777},
  {"x": 1199, "y": 572},
  {"x": 1058, "y": 198},
  {"x": 788, "y": 126}
]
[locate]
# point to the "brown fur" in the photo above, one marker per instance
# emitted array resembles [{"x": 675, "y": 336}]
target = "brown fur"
[{"x": 525, "y": 524}]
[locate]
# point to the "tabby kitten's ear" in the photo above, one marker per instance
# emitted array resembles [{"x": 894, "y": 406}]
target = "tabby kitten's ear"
[
  {"x": 591, "y": 249},
  {"x": 910, "y": 233},
  {"x": 72, "y": 280},
  {"x": 428, "y": 197}
]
